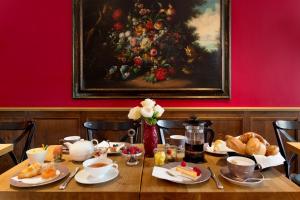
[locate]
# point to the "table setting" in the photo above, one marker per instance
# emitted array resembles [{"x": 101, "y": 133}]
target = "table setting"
[{"x": 190, "y": 165}]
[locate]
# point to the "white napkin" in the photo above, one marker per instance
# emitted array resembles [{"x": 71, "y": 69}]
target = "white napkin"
[
  {"x": 160, "y": 172},
  {"x": 269, "y": 161}
]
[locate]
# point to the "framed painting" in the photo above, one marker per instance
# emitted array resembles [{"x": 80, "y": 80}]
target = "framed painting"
[{"x": 151, "y": 48}]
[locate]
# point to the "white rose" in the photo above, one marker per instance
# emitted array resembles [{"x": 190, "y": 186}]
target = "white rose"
[
  {"x": 121, "y": 35},
  {"x": 127, "y": 33},
  {"x": 134, "y": 113},
  {"x": 148, "y": 103},
  {"x": 147, "y": 111},
  {"x": 159, "y": 110}
]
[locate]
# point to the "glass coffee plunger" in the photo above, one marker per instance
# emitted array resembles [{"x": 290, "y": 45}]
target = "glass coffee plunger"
[{"x": 197, "y": 133}]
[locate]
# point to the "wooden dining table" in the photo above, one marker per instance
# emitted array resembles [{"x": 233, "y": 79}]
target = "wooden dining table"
[
  {"x": 125, "y": 186},
  {"x": 137, "y": 182},
  {"x": 294, "y": 147},
  {"x": 6, "y": 148}
]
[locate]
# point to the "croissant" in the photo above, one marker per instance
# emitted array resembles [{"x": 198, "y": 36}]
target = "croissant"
[
  {"x": 31, "y": 171},
  {"x": 236, "y": 145},
  {"x": 246, "y": 137},
  {"x": 254, "y": 146}
]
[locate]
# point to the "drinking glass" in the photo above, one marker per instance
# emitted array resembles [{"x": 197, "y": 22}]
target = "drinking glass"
[
  {"x": 171, "y": 151},
  {"x": 159, "y": 156}
]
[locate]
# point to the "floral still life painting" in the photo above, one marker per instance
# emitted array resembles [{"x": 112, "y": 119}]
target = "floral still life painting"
[{"x": 158, "y": 48}]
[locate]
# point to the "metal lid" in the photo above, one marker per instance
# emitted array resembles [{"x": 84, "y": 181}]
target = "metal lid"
[{"x": 193, "y": 121}]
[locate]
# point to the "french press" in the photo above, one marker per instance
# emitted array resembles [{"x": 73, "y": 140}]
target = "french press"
[{"x": 198, "y": 133}]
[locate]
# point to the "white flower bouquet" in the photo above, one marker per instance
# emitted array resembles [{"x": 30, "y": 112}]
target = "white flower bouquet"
[{"x": 150, "y": 112}]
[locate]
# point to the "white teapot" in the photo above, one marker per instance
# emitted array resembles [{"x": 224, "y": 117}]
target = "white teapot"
[{"x": 82, "y": 149}]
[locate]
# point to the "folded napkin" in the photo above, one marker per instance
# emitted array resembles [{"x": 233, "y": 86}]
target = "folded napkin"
[
  {"x": 269, "y": 161},
  {"x": 160, "y": 172}
]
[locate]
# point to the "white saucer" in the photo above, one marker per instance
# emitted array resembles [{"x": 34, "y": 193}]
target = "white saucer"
[
  {"x": 257, "y": 178},
  {"x": 85, "y": 178}
]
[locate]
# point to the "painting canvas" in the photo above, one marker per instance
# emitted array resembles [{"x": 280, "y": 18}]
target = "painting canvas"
[{"x": 151, "y": 48}]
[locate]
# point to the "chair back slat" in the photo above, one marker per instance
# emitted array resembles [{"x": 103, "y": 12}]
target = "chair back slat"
[
  {"x": 281, "y": 128},
  {"x": 98, "y": 127},
  {"x": 27, "y": 128}
]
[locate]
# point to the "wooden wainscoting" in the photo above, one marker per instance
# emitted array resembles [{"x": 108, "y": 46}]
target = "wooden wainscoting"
[{"x": 53, "y": 124}]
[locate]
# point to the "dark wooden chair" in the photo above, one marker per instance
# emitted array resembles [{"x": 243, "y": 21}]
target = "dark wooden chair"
[
  {"x": 281, "y": 128},
  {"x": 27, "y": 131},
  {"x": 98, "y": 129},
  {"x": 170, "y": 127}
]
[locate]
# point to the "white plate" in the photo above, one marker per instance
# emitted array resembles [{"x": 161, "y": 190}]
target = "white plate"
[
  {"x": 227, "y": 175},
  {"x": 111, "y": 144},
  {"x": 85, "y": 178},
  {"x": 210, "y": 150},
  {"x": 61, "y": 172},
  {"x": 223, "y": 153},
  {"x": 120, "y": 145},
  {"x": 205, "y": 173}
]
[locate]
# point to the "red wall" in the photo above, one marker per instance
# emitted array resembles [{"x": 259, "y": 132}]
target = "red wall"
[{"x": 36, "y": 55}]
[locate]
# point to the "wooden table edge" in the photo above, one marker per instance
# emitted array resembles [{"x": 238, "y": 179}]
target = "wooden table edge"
[
  {"x": 292, "y": 146},
  {"x": 8, "y": 148}
]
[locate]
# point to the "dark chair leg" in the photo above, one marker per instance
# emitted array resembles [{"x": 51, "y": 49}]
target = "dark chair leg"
[{"x": 13, "y": 157}]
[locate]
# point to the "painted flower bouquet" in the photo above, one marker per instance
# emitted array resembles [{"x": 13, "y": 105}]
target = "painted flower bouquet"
[
  {"x": 147, "y": 41},
  {"x": 149, "y": 112}
]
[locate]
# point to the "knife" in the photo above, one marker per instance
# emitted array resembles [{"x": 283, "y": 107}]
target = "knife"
[
  {"x": 218, "y": 183},
  {"x": 64, "y": 184}
]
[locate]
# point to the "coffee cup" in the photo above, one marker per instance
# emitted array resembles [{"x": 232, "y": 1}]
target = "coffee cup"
[
  {"x": 71, "y": 139},
  {"x": 241, "y": 167},
  {"x": 178, "y": 140},
  {"x": 97, "y": 167}
]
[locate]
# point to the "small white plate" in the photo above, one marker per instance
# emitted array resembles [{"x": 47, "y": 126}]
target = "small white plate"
[
  {"x": 119, "y": 146},
  {"x": 210, "y": 150},
  {"x": 85, "y": 178},
  {"x": 258, "y": 178}
]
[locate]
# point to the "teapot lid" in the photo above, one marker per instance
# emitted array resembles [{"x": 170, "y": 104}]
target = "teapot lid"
[{"x": 193, "y": 121}]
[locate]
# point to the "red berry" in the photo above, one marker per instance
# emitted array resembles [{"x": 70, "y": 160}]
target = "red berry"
[
  {"x": 132, "y": 151},
  {"x": 197, "y": 170},
  {"x": 183, "y": 164},
  {"x": 169, "y": 151}
]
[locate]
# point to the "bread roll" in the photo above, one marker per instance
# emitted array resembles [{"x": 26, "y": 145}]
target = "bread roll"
[
  {"x": 272, "y": 150},
  {"x": 246, "y": 136},
  {"x": 219, "y": 145},
  {"x": 254, "y": 146},
  {"x": 236, "y": 145}
]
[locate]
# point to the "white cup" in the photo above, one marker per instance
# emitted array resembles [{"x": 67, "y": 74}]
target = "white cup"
[
  {"x": 71, "y": 139},
  {"x": 178, "y": 140},
  {"x": 241, "y": 167},
  {"x": 98, "y": 171},
  {"x": 36, "y": 155}
]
